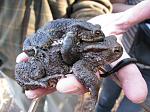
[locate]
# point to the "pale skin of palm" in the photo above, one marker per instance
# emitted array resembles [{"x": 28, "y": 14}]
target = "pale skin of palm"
[{"x": 130, "y": 78}]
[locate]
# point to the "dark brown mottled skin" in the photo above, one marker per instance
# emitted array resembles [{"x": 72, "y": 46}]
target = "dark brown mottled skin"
[{"x": 66, "y": 46}]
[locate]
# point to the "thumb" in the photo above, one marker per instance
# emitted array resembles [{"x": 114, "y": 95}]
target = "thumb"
[
  {"x": 22, "y": 57},
  {"x": 70, "y": 85},
  {"x": 132, "y": 82}
]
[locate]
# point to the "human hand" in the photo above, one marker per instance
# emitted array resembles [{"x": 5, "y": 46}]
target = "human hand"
[
  {"x": 131, "y": 81},
  {"x": 67, "y": 85},
  {"x": 130, "y": 78},
  {"x": 114, "y": 23}
]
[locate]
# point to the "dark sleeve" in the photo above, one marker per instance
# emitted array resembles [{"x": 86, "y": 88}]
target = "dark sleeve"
[{"x": 89, "y": 8}]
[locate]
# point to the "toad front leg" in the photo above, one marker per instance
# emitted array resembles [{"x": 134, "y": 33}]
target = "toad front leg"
[
  {"x": 87, "y": 77},
  {"x": 69, "y": 50}
]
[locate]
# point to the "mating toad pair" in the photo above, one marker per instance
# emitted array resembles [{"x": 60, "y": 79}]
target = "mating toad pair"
[{"x": 65, "y": 46}]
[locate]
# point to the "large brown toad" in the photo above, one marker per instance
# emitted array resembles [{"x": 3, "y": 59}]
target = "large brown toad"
[{"x": 66, "y": 46}]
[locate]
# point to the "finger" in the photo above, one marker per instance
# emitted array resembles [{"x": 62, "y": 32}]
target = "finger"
[
  {"x": 32, "y": 94},
  {"x": 113, "y": 30},
  {"x": 22, "y": 57},
  {"x": 132, "y": 82},
  {"x": 103, "y": 20},
  {"x": 70, "y": 85}
]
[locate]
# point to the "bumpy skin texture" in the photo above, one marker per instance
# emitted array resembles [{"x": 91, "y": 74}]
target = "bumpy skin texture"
[
  {"x": 65, "y": 30},
  {"x": 66, "y": 46}
]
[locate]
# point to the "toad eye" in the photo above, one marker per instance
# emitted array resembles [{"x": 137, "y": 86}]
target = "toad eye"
[{"x": 97, "y": 32}]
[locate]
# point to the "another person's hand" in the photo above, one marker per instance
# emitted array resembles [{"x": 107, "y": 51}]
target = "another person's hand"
[{"x": 114, "y": 23}]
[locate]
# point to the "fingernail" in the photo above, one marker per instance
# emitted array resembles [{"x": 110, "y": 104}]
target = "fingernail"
[
  {"x": 22, "y": 57},
  {"x": 141, "y": 101},
  {"x": 30, "y": 94}
]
